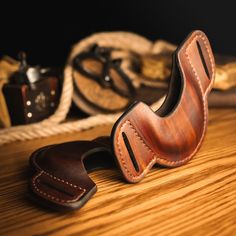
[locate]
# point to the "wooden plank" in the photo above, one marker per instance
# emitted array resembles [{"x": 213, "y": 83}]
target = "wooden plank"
[{"x": 198, "y": 198}]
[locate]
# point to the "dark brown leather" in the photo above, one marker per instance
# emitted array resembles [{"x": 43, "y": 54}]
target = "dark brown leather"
[
  {"x": 61, "y": 180},
  {"x": 140, "y": 138},
  {"x": 28, "y": 104}
]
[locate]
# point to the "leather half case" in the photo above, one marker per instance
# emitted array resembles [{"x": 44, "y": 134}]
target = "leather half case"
[
  {"x": 140, "y": 138},
  {"x": 173, "y": 134}
]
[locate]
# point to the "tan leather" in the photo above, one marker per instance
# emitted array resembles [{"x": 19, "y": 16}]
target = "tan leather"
[{"x": 169, "y": 137}]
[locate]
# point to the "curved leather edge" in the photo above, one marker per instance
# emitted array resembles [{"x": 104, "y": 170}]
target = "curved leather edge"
[
  {"x": 143, "y": 128},
  {"x": 60, "y": 180}
]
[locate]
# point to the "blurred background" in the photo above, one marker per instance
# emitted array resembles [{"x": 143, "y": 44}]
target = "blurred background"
[{"x": 47, "y": 32}]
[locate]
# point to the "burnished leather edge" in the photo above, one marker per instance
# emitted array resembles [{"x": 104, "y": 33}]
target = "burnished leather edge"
[
  {"x": 46, "y": 199},
  {"x": 123, "y": 119}
]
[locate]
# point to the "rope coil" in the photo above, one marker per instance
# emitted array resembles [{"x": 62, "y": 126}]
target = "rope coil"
[{"x": 52, "y": 125}]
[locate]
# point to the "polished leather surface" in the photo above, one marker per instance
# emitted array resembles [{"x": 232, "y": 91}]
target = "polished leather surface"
[
  {"x": 170, "y": 140},
  {"x": 140, "y": 138},
  {"x": 61, "y": 179}
]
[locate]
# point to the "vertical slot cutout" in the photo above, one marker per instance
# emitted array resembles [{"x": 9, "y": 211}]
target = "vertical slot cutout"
[{"x": 130, "y": 151}]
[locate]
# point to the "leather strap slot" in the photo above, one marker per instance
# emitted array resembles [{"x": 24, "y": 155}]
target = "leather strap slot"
[
  {"x": 56, "y": 189},
  {"x": 203, "y": 59},
  {"x": 130, "y": 151}
]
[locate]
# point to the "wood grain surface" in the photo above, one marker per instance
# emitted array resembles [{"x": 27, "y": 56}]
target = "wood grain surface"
[{"x": 198, "y": 198}]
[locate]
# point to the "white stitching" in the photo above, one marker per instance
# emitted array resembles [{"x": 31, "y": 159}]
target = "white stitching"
[
  {"x": 58, "y": 179},
  {"x": 143, "y": 143}
]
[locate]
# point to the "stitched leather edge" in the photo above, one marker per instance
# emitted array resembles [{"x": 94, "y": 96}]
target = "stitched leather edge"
[
  {"x": 60, "y": 180},
  {"x": 204, "y": 110},
  {"x": 150, "y": 164}
]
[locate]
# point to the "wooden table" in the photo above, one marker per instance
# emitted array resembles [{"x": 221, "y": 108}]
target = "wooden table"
[{"x": 196, "y": 199}]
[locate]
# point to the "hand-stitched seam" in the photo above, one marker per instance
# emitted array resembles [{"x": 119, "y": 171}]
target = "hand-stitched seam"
[
  {"x": 58, "y": 179},
  {"x": 143, "y": 143},
  {"x": 192, "y": 67},
  {"x": 202, "y": 92},
  {"x": 204, "y": 110},
  {"x": 203, "y": 96}
]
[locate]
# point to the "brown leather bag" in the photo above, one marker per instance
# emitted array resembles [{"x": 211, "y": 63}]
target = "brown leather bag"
[{"x": 140, "y": 138}]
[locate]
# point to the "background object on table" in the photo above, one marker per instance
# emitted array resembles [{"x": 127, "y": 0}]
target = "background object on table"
[
  {"x": 100, "y": 61},
  {"x": 7, "y": 67},
  {"x": 31, "y": 94},
  {"x": 106, "y": 73},
  {"x": 157, "y": 66}
]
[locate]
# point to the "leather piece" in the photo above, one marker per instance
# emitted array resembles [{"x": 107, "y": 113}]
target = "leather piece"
[
  {"x": 140, "y": 138},
  {"x": 173, "y": 139},
  {"x": 61, "y": 180}
]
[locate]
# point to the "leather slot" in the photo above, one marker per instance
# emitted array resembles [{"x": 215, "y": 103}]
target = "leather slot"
[
  {"x": 59, "y": 189},
  {"x": 130, "y": 151},
  {"x": 203, "y": 60}
]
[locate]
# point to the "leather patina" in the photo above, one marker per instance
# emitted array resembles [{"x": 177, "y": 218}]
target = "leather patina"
[
  {"x": 173, "y": 134},
  {"x": 140, "y": 138},
  {"x": 61, "y": 180}
]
